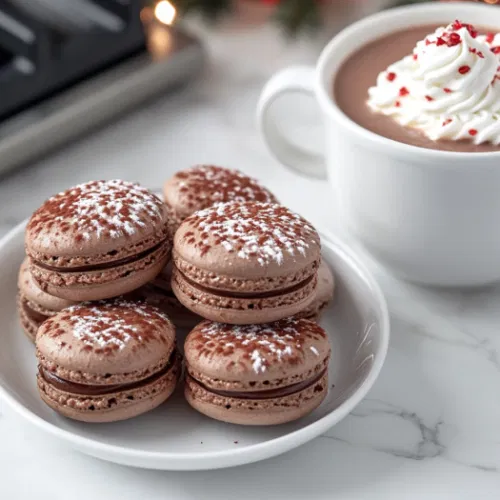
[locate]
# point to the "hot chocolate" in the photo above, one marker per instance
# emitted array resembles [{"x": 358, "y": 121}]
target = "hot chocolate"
[{"x": 430, "y": 87}]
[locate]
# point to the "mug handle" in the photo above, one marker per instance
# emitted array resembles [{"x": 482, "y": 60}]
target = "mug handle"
[{"x": 296, "y": 79}]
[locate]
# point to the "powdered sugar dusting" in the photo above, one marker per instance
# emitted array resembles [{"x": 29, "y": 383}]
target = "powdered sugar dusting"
[
  {"x": 258, "y": 362},
  {"x": 109, "y": 209},
  {"x": 202, "y": 186},
  {"x": 109, "y": 326},
  {"x": 259, "y": 345},
  {"x": 263, "y": 232}
]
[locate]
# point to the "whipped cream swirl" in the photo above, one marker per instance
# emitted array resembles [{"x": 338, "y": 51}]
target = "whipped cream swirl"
[{"x": 449, "y": 88}]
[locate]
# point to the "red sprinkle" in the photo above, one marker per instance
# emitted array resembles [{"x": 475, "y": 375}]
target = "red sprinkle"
[
  {"x": 397, "y": 104},
  {"x": 415, "y": 57},
  {"x": 472, "y": 131},
  {"x": 453, "y": 39},
  {"x": 477, "y": 52},
  {"x": 447, "y": 90},
  {"x": 495, "y": 50},
  {"x": 403, "y": 91},
  {"x": 391, "y": 76},
  {"x": 490, "y": 37},
  {"x": 447, "y": 121},
  {"x": 458, "y": 25},
  {"x": 449, "y": 39},
  {"x": 429, "y": 98},
  {"x": 463, "y": 70}
]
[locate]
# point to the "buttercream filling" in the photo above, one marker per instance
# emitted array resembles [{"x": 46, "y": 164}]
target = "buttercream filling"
[
  {"x": 105, "y": 265},
  {"x": 279, "y": 392},
  {"x": 247, "y": 295},
  {"x": 101, "y": 390}
]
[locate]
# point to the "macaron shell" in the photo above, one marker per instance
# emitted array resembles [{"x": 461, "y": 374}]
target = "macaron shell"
[
  {"x": 42, "y": 302},
  {"x": 256, "y": 412},
  {"x": 99, "y": 217},
  {"x": 248, "y": 240},
  {"x": 241, "y": 311},
  {"x": 101, "y": 284},
  {"x": 204, "y": 185},
  {"x": 324, "y": 294},
  {"x": 111, "y": 407},
  {"x": 256, "y": 357},
  {"x": 106, "y": 343}
]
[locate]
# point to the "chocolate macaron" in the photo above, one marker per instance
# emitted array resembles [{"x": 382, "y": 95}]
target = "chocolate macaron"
[
  {"x": 33, "y": 304},
  {"x": 107, "y": 361},
  {"x": 202, "y": 186},
  {"x": 257, "y": 374},
  {"x": 98, "y": 240},
  {"x": 323, "y": 296},
  {"x": 245, "y": 263}
]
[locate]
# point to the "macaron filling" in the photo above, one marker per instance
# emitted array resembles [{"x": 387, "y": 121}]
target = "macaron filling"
[
  {"x": 249, "y": 295},
  {"x": 105, "y": 265},
  {"x": 279, "y": 392},
  {"x": 101, "y": 390}
]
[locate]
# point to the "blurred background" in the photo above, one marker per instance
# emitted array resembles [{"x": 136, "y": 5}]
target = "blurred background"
[{"x": 138, "y": 89}]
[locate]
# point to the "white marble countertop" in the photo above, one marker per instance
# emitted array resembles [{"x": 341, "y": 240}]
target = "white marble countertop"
[{"x": 429, "y": 429}]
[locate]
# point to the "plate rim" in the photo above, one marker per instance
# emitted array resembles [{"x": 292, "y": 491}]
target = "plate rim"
[{"x": 164, "y": 460}]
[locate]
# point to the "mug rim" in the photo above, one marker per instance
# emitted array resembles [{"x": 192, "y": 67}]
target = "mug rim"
[{"x": 372, "y": 138}]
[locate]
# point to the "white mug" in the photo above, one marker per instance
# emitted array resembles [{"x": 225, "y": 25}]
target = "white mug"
[{"x": 430, "y": 216}]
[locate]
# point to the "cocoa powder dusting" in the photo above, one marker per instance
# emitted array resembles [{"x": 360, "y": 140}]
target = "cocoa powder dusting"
[
  {"x": 203, "y": 186},
  {"x": 106, "y": 327},
  {"x": 262, "y": 231},
  {"x": 258, "y": 345},
  {"x": 106, "y": 209}
]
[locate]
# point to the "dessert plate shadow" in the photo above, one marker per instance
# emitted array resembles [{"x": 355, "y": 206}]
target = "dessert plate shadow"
[{"x": 175, "y": 437}]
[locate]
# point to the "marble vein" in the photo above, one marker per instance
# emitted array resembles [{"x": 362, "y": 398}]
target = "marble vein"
[
  {"x": 428, "y": 444},
  {"x": 484, "y": 468},
  {"x": 470, "y": 341},
  {"x": 418, "y": 456}
]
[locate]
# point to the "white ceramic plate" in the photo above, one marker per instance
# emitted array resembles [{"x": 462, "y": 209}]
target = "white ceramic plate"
[{"x": 175, "y": 437}]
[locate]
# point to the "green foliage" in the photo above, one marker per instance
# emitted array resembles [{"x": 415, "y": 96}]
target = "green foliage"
[
  {"x": 399, "y": 3},
  {"x": 212, "y": 10},
  {"x": 294, "y": 16},
  {"x": 298, "y": 15}
]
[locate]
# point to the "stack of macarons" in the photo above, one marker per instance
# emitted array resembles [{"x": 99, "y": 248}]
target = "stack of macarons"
[
  {"x": 34, "y": 305},
  {"x": 100, "y": 358},
  {"x": 111, "y": 270},
  {"x": 199, "y": 188}
]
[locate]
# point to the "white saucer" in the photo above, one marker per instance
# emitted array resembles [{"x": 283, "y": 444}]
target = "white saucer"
[{"x": 175, "y": 437}]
